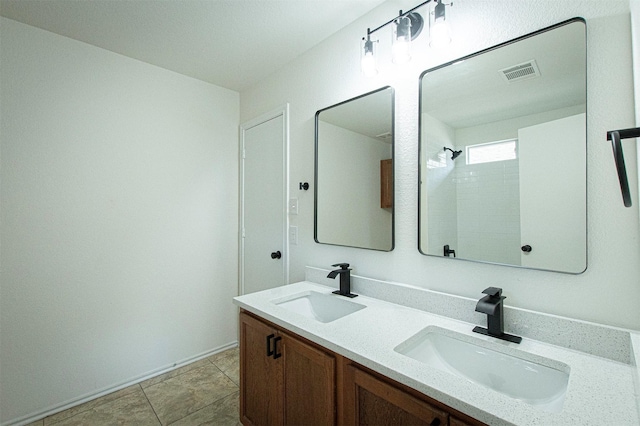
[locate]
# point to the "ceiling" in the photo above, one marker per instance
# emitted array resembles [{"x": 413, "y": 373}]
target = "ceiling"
[
  {"x": 472, "y": 92},
  {"x": 370, "y": 115},
  {"x": 229, "y": 43}
]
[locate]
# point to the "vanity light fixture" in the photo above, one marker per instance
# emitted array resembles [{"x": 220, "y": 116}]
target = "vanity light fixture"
[
  {"x": 401, "y": 41},
  {"x": 369, "y": 61},
  {"x": 439, "y": 29},
  {"x": 406, "y": 27}
]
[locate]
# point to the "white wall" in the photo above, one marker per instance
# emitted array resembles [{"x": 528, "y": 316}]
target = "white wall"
[
  {"x": 635, "y": 32},
  {"x": 508, "y": 129},
  {"x": 559, "y": 240},
  {"x": 118, "y": 219},
  {"x": 350, "y": 212},
  {"x": 609, "y": 291}
]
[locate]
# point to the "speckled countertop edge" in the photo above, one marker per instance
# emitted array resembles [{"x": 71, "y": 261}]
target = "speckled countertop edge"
[
  {"x": 595, "y": 339},
  {"x": 635, "y": 342},
  {"x": 600, "y": 391}
]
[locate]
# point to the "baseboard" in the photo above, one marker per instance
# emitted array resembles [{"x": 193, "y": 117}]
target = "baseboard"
[{"x": 30, "y": 418}]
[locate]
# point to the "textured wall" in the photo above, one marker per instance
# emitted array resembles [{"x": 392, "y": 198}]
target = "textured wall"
[
  {"x": 635, "y": 37},
  {"x": 609, "y": 291}
]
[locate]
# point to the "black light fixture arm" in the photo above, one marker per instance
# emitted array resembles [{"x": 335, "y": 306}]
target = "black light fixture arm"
[
  {"x": 615, "y": 136},
  {"x": 401, "y": 15}
]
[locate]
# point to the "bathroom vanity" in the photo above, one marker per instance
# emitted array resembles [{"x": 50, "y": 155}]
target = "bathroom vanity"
[
  {"x": 308, "y": 356},
  {"x": 293, "y": 381}
]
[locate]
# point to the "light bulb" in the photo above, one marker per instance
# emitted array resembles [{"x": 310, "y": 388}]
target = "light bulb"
[
  {"x": 440, "y": 31},
  {"x": 401, "y": 52},
  {"x": 401, "y": 49},
  {"x": 369, "y": 65},
  {"x": 368, "y": 61}
]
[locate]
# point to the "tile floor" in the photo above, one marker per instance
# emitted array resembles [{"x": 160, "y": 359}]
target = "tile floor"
[{"x": 205, "y": 392}]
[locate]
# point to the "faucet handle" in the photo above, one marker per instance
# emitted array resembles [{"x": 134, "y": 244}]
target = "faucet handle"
[
  {"x": 342, "y": 265},
  {"x": 493, "y": 291}
]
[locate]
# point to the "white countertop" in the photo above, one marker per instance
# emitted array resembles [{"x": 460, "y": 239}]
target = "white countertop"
[{"x": 600, "y": 391}]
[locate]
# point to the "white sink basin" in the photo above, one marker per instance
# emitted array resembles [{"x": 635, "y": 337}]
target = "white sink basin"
[
  {"x": 319, "y": 306},
  {"x": 535, "y": 380}
]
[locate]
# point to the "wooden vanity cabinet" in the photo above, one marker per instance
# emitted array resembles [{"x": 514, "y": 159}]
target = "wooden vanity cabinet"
[
  {"x": 370, "y": 398},
  {"x": 288, "y": 380},
  {"x": 283, "y": 379},
  {"x": 261, "y": 401}
]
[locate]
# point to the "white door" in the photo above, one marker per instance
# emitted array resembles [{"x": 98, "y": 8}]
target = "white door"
[
  {"x": 264, "y": 190},
  {"x": 553, "y": 201}
]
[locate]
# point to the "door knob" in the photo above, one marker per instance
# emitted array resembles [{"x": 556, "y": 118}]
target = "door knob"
[
  {"x": 526, "y": 248},
  {"x": 276, "y": 255}
]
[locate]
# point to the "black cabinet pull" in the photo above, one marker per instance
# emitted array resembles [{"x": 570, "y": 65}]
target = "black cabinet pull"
[
  {"x": 526, "y": 248},
  {"x": 276, "y": 355},
  {"x": 276, "y": 255},
  {"x": 435, "y": 422},
  {"x": 270, "y": 351}
]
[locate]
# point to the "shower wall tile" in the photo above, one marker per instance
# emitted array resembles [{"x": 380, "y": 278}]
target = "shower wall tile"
[{"x": 488, "y": 207}]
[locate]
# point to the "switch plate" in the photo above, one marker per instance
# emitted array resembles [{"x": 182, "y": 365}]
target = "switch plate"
[
  {"x": 293, "y": 235},
  {"x": 293, "y": 206}
]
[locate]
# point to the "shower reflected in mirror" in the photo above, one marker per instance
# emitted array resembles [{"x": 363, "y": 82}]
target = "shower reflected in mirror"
[
  {"x": 454, "y": 154},
  {"x": 503, "y": 153}
]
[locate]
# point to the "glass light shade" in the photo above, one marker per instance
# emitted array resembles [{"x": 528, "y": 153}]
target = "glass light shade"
[
  {"x": 401, "y": 48},
  {"x": 440, "y": 35},
  {"x": 439, "y": 29},
  {"x": 368, "y": 61}
]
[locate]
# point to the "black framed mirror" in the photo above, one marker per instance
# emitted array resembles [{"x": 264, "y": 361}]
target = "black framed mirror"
[
  {"x": 503, "y": 153},
  {"x": 354, "y": 143}
]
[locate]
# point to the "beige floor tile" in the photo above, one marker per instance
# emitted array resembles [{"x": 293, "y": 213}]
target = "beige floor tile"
[
  {"x": 224, "y": 412},
  {"x": 228, "y": 354},
  {"x": 90, "y": 405},
  {"x": 131, "y": 409},
  {"x": 229, "y": 363},
  {"x": 173, "y": 373},
  {"x": 179, "y": 396}
]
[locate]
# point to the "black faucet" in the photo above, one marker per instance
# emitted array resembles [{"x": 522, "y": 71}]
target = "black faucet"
[
  {"x": 491, "y": 305},
  {"x": 345, "y": 279}
]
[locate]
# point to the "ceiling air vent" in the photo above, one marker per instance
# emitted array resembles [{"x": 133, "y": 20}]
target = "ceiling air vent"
[
  {"x": 523, "y": 71},
  {"x": 387, "y": 136}
]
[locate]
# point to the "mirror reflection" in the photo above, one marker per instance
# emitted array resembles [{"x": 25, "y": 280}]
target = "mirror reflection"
[
  {"x": 503, "y": 154},
  {"x": 354, "y": 172}
]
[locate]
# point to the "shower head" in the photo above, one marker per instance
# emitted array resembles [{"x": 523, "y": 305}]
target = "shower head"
[{"x": 454, "y": 154}]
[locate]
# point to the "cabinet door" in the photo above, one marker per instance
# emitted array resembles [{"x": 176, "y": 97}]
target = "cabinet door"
[
  {"x": 261, "y": 390},
  {"x": 309, "y": 384},
  {"x": 371, "y": 401},
  {"x": 457, "y": 422}
]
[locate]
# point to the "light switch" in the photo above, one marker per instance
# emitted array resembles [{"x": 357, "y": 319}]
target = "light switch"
[
  {"x": 293, "y": 206},
  {"x": 293, "y": 235}
]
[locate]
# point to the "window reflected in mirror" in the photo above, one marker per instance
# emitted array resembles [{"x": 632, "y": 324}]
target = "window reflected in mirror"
[
  {"x": 354, "y": 172},
  {"x": 503, "y": 153}
]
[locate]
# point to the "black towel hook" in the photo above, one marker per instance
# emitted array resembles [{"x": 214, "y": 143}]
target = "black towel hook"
[{"x": 615, "y": 136}]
